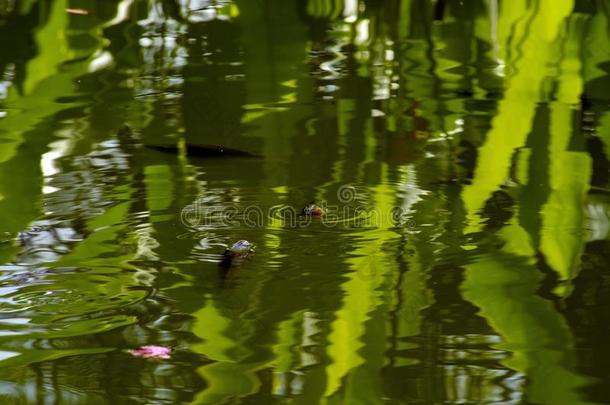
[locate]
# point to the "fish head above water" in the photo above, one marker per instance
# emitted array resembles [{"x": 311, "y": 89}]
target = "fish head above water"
[
  {"x": 313, "y": 210},
  {"x": 241, "y": 247}
]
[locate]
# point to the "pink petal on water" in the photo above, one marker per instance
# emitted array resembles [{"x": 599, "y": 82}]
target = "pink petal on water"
[{"x": 152, "y": 352}]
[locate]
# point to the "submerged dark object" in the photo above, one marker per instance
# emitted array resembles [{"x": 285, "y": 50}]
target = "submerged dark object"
[
  {"x": 204, "y": 150},
  {"x": 313, "y": 210},
  {"x": 237, "y": 254},
  {"x": 439, "y": 10}
]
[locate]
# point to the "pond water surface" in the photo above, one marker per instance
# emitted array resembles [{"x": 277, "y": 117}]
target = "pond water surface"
[{"x": 460, "y": 150}]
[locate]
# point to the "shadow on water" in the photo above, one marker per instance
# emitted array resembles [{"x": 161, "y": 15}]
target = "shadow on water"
[{"x": 459, "y": 149}]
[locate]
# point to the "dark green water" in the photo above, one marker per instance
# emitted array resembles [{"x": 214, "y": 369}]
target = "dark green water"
[{"x": 460, "y": 148}]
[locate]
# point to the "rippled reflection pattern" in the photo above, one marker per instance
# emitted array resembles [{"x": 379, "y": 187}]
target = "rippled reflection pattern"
[{"x": 460, "y": 151}]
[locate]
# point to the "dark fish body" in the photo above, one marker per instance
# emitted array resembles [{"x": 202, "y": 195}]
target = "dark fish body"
[{"x": 196, "y": 150}]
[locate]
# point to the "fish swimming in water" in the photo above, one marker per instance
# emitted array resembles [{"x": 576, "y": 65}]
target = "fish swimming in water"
[
  {"x": 196, "y": 150},
  {"x": 313, "y": 210},
  {"x": 237, "y": 254}
]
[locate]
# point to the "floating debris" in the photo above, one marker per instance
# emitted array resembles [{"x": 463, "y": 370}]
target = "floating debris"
[{"x": 77, "y": 11}]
